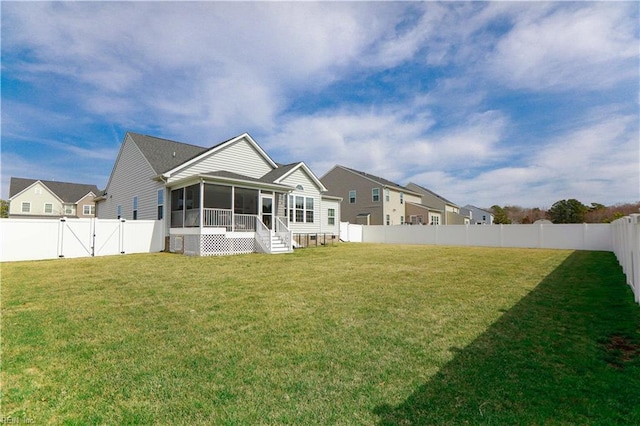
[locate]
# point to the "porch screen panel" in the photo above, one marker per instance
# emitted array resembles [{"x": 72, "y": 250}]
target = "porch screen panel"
[
  {"x": 246, "y": 201},
  {"x": 192, "y": 204},
  {"x": 177, "y": 207},
  {"x": 217, "y": 197}
]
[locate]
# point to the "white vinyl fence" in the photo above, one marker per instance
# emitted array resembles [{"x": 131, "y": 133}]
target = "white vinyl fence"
[
  {"x": 36, "y": 239},
  {"x": 626, "y": 246},
  {"x": 572, "y": 236}
]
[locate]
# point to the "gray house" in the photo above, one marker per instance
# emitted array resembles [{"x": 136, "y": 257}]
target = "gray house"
[
  {"x": 452, "y": 215},
  {"x": 477, "y": 216},
  {"x": 369, "y": 199},
  {"x": 36, "y": 198},
  {"x": 230, "y": 198}
]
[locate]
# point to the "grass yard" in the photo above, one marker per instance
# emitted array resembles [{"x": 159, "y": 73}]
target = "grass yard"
[{"x": 348, "y": 334}]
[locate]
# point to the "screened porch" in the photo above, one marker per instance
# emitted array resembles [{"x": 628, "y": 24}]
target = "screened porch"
[{"x": 234, "y": 208}]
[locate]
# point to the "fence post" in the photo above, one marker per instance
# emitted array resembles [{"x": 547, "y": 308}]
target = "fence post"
[{"x": 61, "y": 236}]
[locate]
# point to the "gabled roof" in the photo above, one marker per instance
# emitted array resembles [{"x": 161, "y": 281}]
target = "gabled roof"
[
  {"x": 67, "y": 192},
  {"x": 424, "y": 206},
  {"x": 378, "y": 180},
  {"x": 218, "y": 147},
  {"x": 164, "y": 154},
  {"x": 283, "y": 171},
  {"x": 428, "y": 191}
]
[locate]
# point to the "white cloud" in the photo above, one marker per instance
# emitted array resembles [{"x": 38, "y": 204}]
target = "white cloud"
[{"x": 591, "y": 45}]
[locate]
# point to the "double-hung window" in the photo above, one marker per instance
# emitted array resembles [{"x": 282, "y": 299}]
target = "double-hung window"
[
  {"x": 135, "y": 207},
  {"x": 331, "y": 217},
  {"x": 48, "y": 208},
  {"x": 89, "y": 210},
  {"x": 301, "y": 209},
  {"x": 26, "y": 207},
  {"x": 352, "y": 197},
  {"x": 160, "y": 203},
  {"x": 375, "y": 195}
]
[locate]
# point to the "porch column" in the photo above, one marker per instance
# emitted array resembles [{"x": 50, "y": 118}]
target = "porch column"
[
  {"x": 233, "y": 209},
  {"x": 201, "y": 207}
]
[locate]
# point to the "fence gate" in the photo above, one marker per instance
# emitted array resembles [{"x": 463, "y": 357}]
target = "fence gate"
[
  {"x": 75, "y": 238},
  {"x": 108, "y": 237}
]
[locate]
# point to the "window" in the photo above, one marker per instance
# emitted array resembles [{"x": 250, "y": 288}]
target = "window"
[
  {"x": 68, "y": 209},
  {"x": 160, "y": 204},
  {"x": 416, "y": 220},
  {"x": 299, "y": 209},
  {"x": 401, "y": 220},
  {"x": 89, "y": 210},
  {"x": 386, "y": 194},
  {"x": 401, "y": 198},
  {"x": 309, "y": 210},
  {"x": 352, "y": 197},
  {"x": 26, "y": 207},
  {"x": 37, "y": 190},
  {"x": 48, "y": 208},
  {"x": 331, "y": 217},
  {"x": 119, "y": 209},
  {"x": 388, "y": 220},
  {"x": 375, "y": 195},
  {"x": 435, "y": 220},
  {"x": 135, "y": 207}
]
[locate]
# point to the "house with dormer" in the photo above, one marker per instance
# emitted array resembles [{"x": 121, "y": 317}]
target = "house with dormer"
[
  {"x": 37, "y": 198},
  {"x": 227, "y": 199}
]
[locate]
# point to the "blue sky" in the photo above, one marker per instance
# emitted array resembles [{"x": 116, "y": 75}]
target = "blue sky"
[{"x": 508, "y": 103}]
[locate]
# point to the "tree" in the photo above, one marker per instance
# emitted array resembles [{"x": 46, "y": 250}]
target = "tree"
[
  {"x": 4, "y": 209},
  {"x": 499, "y": 215},
  {"x": 567, "y": 211}
]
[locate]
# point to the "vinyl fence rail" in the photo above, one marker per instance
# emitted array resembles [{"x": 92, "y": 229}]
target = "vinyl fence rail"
[
  {"x": 39, "y": 239},
  {"x": 626, "y": 247}
]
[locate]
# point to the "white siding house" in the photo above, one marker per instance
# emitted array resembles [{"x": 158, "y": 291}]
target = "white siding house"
[{"x": 231, "y": 198}]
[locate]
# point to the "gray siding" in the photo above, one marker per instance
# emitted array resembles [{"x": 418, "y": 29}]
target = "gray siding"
[
  {"x": 132, "y": 176},
  {"x": 339, "y": 182},
  {"x": 238, "y": 157}
]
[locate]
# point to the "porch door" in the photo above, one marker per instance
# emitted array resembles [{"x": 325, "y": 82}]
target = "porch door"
[{"x": 267, "y": 211}]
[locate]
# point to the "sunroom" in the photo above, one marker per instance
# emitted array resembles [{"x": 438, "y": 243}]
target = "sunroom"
[{"x": 223, "y": 213}]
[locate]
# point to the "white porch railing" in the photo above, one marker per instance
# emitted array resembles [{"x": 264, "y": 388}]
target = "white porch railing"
[
  {"x": 245, "y": 222},
  {"x": 263, "y": 236},
  {"x": 220, "y": 218},
  {"x": 283, "y": 232}
]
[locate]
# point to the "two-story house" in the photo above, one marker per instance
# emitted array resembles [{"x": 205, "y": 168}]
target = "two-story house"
[
  {"x": 369, "y": 199},
  {"x": 476, "y": 215},
  {"x": 451, "y": 211},
  {"x": 35, "y": 198},
  {"x": 230, "y": 198}
]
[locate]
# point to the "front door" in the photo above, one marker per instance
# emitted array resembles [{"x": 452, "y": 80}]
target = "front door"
[{"x": 267, "y": 211}]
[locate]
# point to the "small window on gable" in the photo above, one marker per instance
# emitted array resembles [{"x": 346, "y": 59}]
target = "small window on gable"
[{"x": 300, "y": 187}]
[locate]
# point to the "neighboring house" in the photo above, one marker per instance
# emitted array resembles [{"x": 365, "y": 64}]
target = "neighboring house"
[
  {"x": 451, "y": 211},
  {"x": 231, "y": 198},
  {"x": 34, "y": 198},
  {"x": 476, "y": 215},
  {"x": 369, "y": 199}
]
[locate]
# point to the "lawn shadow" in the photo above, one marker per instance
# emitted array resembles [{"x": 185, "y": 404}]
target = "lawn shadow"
[{"x": 565, "y": 353}]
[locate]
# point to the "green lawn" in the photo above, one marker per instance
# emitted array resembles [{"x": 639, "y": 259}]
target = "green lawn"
[{"x": 347, "y": 334}]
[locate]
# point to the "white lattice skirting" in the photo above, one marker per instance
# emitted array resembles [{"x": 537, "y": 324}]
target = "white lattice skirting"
[{"x": 212, "y": 245}]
